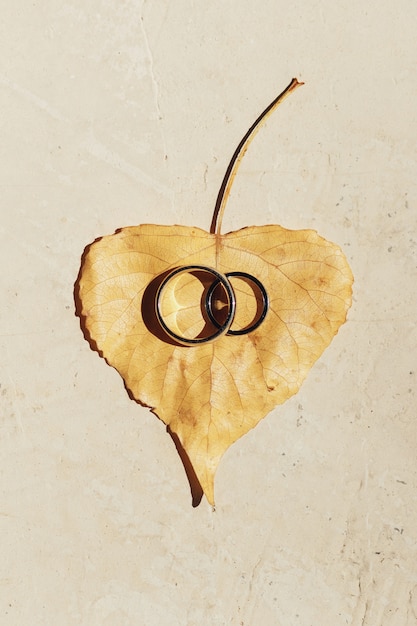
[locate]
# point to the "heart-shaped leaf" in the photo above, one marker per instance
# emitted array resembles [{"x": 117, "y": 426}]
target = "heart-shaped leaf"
[{"x": 212, "y": 393}]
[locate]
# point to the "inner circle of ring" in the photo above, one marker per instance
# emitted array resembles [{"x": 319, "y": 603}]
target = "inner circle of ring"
[
  {"x": 265, "y": 299},
  {"x": 221, "y": 329}
]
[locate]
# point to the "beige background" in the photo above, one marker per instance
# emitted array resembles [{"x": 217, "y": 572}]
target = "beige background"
[{"x": 124, "y": 112}]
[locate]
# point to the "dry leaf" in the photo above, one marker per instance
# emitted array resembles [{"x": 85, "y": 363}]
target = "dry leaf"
[{"x": 212, "y": 394}]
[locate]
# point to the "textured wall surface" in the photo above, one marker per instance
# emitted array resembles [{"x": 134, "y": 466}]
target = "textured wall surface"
[{"x": 120, "y": 113}]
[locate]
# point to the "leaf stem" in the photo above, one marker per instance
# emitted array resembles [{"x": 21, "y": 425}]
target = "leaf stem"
[{"x": 238, "y": 155}]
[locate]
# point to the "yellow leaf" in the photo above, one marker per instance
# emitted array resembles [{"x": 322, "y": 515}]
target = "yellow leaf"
[{"x": 212, "y": 393}]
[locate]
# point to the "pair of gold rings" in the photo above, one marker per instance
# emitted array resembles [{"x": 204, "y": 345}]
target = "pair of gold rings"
[{"x": 196, "y": 304}]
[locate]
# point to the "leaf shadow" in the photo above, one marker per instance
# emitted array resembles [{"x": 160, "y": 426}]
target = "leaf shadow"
[
  {"x": 195, "y": 487},
  {"x": 78, "y": 303}
]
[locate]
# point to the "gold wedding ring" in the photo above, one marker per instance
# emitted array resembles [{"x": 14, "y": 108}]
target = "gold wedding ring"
[
  {"x": 189, "y": 321},
  {"x": 256, "y": 285},
  {"x": 168, "y": 308}
]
